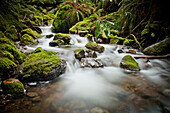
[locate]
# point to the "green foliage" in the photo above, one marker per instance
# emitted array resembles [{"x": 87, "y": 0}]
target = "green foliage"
[{"x": 69, "y": 13}]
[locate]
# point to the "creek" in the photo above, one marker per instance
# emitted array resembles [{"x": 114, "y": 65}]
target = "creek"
[{"x": 97, "y": 90}]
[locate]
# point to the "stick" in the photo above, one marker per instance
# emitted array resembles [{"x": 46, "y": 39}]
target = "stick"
[{"x": 153, "y": 57}]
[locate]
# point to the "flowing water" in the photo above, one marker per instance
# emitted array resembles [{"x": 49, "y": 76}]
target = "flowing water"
[{"x": 98, "y": 90}]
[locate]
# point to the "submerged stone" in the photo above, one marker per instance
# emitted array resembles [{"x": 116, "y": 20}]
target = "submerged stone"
[
  {"x": 42, "y": 66},
  {"x": 129, "y": 63},
  {"x": 13, "y": 86},
  {"x": 91, "y": 63},
  {"x": 94, "y": 46},
  {"x": 159, "y": 48}
]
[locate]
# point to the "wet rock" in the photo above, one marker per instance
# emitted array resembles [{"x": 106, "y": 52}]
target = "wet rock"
[
  {"x": 82, "y": 33},
  {"x": 79, "y": 53},
  {"x": 91, "y": 54},
  {"x": 120, "y": 51},
  {"x": 65, "y": 37},
  {"x": 57, "y": 42},
  {"x": 49, "y": 36},
  {"x": 166, "y": 92},
  {"x": 98, "y": 110},
  {"x": 94, "y": 46},
  {"x": 131, "y": 51},
  {"x": 13, "y": 86},
  {"x": 42, "y": 66},
  {"x": 129, "y": 63},
  {"x": 89, "y": 37},
  {"x": 91, "y": 62},
  {"x": 32, "y": 94},
  {"x": 159, "y": 48}
]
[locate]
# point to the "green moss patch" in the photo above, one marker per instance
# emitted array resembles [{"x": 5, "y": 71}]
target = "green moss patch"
[
  {"x": 31, "y": 32},
  {"x": 129, "y": 63},
  {"x": 28, "y": 40},
  {"x": 94, "y": 46}
]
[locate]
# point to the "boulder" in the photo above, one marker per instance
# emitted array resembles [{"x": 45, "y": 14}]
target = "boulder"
[
  {"x": 11, "y": 33},
  {"x": 159, "y": 48},
  {"x": 26, "y": 39},
  {"x": 91, "y": 62},
  {"x": 79, "y": 53},
  {"x": 94, "y": 46},
  {"x": 129, "y": 63},
  {"x": 42, "y": 66},
  {"x": 83, "y": 33},
  {"x": 49, "y": 36},
  {"x": 13, "y": 86},
  {"x": 31, "y": 32},
  {"x": 65, "y": 37},
  {"x": 7, "y": 66},
  {"x": 57, "y": 42}
]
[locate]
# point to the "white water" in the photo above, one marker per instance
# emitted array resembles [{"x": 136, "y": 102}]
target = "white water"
[{"x": 101, "y": 87}]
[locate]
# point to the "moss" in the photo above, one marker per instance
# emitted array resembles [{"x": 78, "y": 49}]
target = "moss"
[
  {"x": 6, "y": 66},
  {"x": 159, "y": 48},
  {"x": 57, "y": 42},
  {"x": 27, "y": 39},
  {"x": 11, "y": 33},
  {"x": 6, "y": 54},
  {"x": 13, "y": 86},
  {"x": 38, "y": 20},
  {"x": 65, "y": 37},
  {"x": 78, "y": 50},
  {"x": 31, "y": 32},
  {"x": 73, "y": 30},
  {"x": 94, "y": 46},
  {"x": 37, "y": 50},
  {"x": 79, "y": 53},
  {"x": 64, "y": 46},
  {"x": 17, "y": 54},
  {"x": 129, "y": 63},
  {"x": 7, "y": 41},
  {"x": 41, "y": 63},
  {"x": 115, "y": 39}
]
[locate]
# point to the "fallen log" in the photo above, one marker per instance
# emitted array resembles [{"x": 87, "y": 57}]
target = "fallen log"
[{"x": 153, "y": 57}]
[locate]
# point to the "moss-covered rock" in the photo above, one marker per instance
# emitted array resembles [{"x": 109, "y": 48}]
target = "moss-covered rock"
[
  {"x": 7, "y": 66},
  {"x": 65, "y": 37},
  {"x": 37, "y": 50},
  {"x": 11, "y": 33},
  {"x": 18, "y": 56},
  {"x": 28, "y": 40},
  {"x": 13, "y": 86},
  {"x": 57, "y": 42},
  {"x": 159, "y": 48},
  {"x": 49, "y": 36},
  {"x": 42, "y": 66},
  {"x": 94, "y": 46},
  {"x": 89, "y": 37},
  {"x": 65, "y": 46},
  {"x": 7, "y": 41},
  {"x": 31, "y": 32},
  {"x": 83, "y": 33},
  {"x": 79, "y": 53},
  {"x": 7, "y": 55},
  {"x": 129, "y": 63}
]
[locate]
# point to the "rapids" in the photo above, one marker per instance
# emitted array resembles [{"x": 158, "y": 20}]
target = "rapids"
[{"x": 98, "y": 90}]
